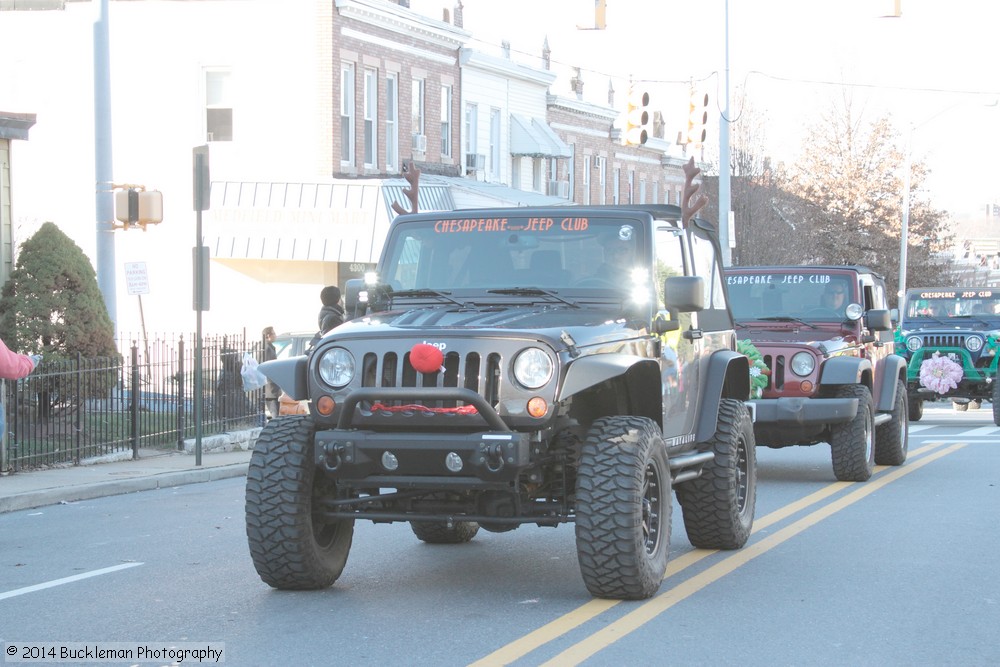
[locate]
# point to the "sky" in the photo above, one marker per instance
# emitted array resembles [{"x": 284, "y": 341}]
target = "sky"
[{"x": 933, "y": 68}]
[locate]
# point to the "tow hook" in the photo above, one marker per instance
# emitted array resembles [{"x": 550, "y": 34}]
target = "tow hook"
[
  {"x": 333, "y": 455},
  {"x": 494, "y": 457}
]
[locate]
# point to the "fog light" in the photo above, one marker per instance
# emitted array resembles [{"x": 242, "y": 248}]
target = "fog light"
[
  {"x": 325, "y": 405},
  {"x": 453, "y": 462},
  {"x": 537, "y": 407},
  {"x": 389, "y": 461}
]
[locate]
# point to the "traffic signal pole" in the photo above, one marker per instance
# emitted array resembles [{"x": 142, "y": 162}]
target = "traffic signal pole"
[{"x": 724, "y": 161}]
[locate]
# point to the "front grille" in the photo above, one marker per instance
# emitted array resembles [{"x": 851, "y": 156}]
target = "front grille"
[
  {"x": 944, "y": 340},
  {"x": 776, "y": 381},
  {"x": 478, "y": 371}
]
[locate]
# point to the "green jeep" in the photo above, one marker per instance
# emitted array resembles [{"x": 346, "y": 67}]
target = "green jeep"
[{"x": 949, "y": 337}]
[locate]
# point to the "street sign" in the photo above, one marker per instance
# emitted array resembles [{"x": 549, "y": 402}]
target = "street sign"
[{"x": 136, "y": 278}]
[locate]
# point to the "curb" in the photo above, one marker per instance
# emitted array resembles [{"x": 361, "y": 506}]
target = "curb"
[{"x": 70, "y": 494}]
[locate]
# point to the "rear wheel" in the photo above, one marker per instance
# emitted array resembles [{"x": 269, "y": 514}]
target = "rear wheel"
[
  {"x": 292, "y": 546},
  {"x": 892, "y": 437},
  {"x": 915, "y": 409},
  {"x": 960, "y": 406},
  {"x": 853, "y": 444},
  {"x": 996, "y": 402},
  {"x": 623, "y": 507},
  {"x": 719, "y": 506}
]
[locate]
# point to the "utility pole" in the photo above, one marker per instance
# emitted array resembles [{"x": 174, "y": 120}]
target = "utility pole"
[
  {"x": 104, "y": 204},
  {"x": 724, "y": 162}
]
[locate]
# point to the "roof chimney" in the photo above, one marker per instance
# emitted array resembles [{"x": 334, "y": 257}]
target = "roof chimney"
[
  {"x": 458, "y": 14},
  {"x": 546, "y": 54},
  {"x": 577, "y": 83}
]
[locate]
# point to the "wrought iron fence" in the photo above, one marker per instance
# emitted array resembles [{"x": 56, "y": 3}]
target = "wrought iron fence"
[{"x": 145, "y": 398}]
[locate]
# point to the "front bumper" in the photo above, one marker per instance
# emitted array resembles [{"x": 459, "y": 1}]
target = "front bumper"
[{"x": 801, "y": 411}]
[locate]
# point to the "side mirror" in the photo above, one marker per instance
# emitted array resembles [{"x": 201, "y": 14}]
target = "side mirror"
[
  {"x": 352, "y": 298},
  {"x": 878, "y": 320},
  {"x": 685, "y": 294}
]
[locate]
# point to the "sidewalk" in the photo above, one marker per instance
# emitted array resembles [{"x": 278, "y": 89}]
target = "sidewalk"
[{"x": 152, "y": 470}]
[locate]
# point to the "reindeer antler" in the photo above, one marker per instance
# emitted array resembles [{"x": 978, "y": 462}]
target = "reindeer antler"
[
  {"x": 691, "y": 200},
  {"x": 412, "y": 175}
]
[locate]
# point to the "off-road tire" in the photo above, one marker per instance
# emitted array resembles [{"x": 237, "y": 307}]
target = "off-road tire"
[
  {"x": 975, "y": 404},
  {"x": 914, "y": 409},
  {"x": 996, "y": 401},
  {"x": 719, "y": 505},
  {"x": 439, "y": 532},
  {"x": 291, "y": 547},
  {"x": 959, "y": 407},
  {"x": 852, "y": 445},
  {"x": 892, "y": 438},
  {"x": 623, "y": 507}
]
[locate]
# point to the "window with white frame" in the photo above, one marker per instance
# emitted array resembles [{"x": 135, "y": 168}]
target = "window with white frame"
[
  {"x": 631, "y": 186},
  {"x": 417, "y": 114},
  {"x": 347, "y": 113},
  {"x": 602, "y": 167},
  {"x": 218, "y": 105},
  {"x": 446, "y": 121},
  {"x": 494, "y": 144},
  {"x": 642, "y": 191},
  {"x": 586, "y": 180},
  {"x": 471, "y": 128},
  {"x": 616, "y": 187},
  {"x": 391, "y": 122},
  {"x": 371, "y": 117},
  {"x": 537, "y": 169}
]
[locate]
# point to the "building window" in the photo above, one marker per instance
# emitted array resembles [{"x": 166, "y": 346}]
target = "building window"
[
  {"x": 537, "y": 169},
  {"x": 371, "y": 118},
  {"x": 631, "y": 186},
  {"x": 471, "y": 128},
  {"x": 495, "y": 144},
  {"x": 602, "y": 166},
  {"x": 417, "y": 115},
  {"x": 572, "y": 172},
  {"x": 347, "y": 113},
  {"x": 218, "y": 106},
  {"x": 391, "y": 123},
  {"x": 616, "y": 187},
  {"x": 515, "y": 172},
  {"x": 446, "y": 121},
  {"x": 586, "y": 180},
  {"x": 642, "y": 191}
]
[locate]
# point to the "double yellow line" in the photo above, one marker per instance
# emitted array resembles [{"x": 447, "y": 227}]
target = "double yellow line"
[{"x": 649, "y": 610}]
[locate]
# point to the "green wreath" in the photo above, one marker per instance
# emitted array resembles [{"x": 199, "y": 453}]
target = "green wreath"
[{"x": 759, "y": 371}]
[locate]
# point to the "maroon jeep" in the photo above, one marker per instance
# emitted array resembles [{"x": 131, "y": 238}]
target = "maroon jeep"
[{"x": 825, "y": 335}]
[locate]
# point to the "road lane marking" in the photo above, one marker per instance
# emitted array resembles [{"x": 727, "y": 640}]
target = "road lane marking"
[
  {"x": 657, "y": 605},
  {"x": 983, "y": 430},
  {"x": 66, "y": 580},
  {"x": 589, "y": 610}
]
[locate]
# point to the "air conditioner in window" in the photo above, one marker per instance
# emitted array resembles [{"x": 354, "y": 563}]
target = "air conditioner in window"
[
  {"x": 475, "y": 161},
  {"x": 563, "y": 189},
  {"x": 420, "y": 143},
  {"x": 553, "y": 189}
]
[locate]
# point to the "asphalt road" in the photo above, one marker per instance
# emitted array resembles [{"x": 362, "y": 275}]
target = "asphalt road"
[{"x": 900, "y": 570}]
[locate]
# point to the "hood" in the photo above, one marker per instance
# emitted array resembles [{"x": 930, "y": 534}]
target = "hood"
[{"x": 795, "y": 332}]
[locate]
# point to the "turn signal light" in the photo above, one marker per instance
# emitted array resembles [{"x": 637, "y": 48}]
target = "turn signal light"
[
  {"x": 537, "y": 407},
  {"x": 325, "y": 405}
]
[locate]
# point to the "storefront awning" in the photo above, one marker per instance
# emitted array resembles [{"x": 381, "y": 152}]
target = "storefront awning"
[{"x": 534, "y": 138}]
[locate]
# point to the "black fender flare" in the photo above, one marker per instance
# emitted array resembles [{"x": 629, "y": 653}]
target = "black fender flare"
[
  {"x": 290, "y": 374},
  {"x": 847, "y": 370},
  {"x": 887, "y": 374},
  {"x": 642, "y": 376},
  {"x": 728, "y": 377}
]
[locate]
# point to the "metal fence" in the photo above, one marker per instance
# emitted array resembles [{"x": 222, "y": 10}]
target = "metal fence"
[{"x": 69, "y": 411}]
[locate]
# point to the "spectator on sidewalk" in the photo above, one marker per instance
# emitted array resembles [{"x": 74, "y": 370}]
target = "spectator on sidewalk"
[
  {"x": 271, "y": 391},
  {"x": 14, "y": 366},
  {"x": 332, "y": 313}
]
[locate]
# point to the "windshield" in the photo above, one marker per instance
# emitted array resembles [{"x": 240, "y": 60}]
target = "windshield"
[
  {"x": 790, "y": 296},
  {"x": 943, "y": 304},
  {"x": 528, "y": 252}
]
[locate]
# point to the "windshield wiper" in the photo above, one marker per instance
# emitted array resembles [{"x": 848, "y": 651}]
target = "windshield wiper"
[
  {"x": 424, "y": 292},
  {"x": 533, "y": 291},
  {"x": 787, "y": 318}
]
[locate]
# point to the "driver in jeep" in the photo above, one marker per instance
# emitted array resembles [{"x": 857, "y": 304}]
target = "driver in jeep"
[{"x": 834, "y": 297}]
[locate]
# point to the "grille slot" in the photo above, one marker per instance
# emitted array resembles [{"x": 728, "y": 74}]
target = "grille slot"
[
  {"x": 471, "y": 370},
  {"x": 776, "y": 381}
]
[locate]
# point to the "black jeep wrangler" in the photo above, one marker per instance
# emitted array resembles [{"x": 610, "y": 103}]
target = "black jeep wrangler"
[
  {"x": 517, "y": 366},
  {"x": 950, "y": 337},
  {"x": 825, "y": 336}
]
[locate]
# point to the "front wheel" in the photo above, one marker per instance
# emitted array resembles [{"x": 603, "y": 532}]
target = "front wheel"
[
  {"x": 852, "y": 444},
  {"x": 292, "y": 546},
  {"x": 892, "y": 437},
  {"x": 719, "y": 505},
  {"x": 623, "y": 507}
]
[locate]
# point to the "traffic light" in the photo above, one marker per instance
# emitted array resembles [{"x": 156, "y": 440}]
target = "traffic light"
[
  {"x": 697, "y": 119},
  {"x": 636, "y": 118}
]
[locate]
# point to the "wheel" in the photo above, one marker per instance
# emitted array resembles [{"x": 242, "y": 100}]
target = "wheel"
[
  {"x": 719, "y": 506},
  {"x": 892, "y": 437},
  {"x": 996, "y": 402},
  {"x": 960, "y": 406},
  {"x": 292, "y": 547},
  {"x": 915, "y": 409},
  {"x": 852, "y": 444},
  {"x": 439, "y": 532},
  {"x": 975, "y": 404},
  {"x": 623, "y": 507}
]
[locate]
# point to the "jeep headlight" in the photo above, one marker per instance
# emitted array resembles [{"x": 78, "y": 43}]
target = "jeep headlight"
[
  {"x": 914, "y": 343},
  {"x": 973, "y": 343},
  {"x": 803, "y": 364},
  {"x": 532, "y": 368},
  {"x": 336, "y": 367}
]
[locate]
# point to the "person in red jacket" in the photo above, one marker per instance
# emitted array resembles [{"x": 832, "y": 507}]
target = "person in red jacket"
[{"x": 14, "y": 366}]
